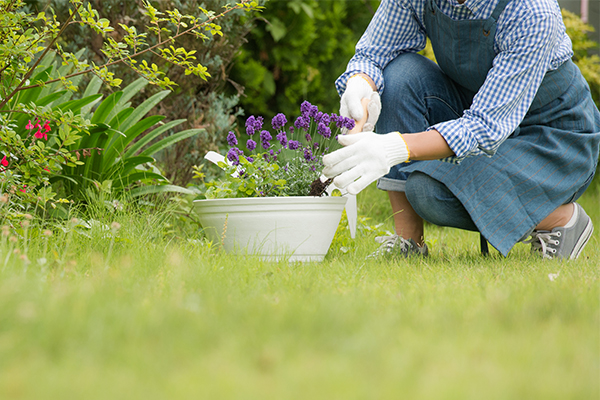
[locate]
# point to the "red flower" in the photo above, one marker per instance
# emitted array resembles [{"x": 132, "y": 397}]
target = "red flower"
[
  {"x": 4, "y": 161},
  {"x": 39, "y": 134},
  {"x": 47, "y": 127},
  {"x": 23, "y": 190},
  {"x": 29, "y": 125}
]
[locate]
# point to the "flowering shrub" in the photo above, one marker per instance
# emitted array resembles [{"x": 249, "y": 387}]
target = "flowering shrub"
[
  {"x": 33, "y": 154},
  {"x": 38, "y": 133},
  {"x": 282, "y": 162}
]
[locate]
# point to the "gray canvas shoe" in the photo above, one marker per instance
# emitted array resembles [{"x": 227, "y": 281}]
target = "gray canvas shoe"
[
  {"x": 395, "y": 246},
  {"x": 561, "y": 242}
]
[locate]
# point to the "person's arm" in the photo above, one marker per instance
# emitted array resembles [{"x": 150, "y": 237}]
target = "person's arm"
[
  {"x": 428, "y": 145},
  {"x": 394, "y": 29}
]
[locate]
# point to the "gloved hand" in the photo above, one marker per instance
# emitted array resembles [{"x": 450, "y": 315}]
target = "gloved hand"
[
  {"x": 358, "y": 88},
  {"x": 366, "y": 157}
]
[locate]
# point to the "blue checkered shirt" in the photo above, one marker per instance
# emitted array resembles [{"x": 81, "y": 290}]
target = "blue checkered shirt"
[{"x": 530, "y": 40}]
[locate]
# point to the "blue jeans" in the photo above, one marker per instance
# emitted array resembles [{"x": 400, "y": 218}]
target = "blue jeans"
[{"x": 418, "y": 95}]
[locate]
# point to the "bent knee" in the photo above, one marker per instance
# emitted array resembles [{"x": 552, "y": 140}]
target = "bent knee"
[{"x": 435, "y": 203}]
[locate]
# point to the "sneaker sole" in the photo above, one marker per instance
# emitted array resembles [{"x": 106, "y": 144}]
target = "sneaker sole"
[{"x": 583, "y": 239}]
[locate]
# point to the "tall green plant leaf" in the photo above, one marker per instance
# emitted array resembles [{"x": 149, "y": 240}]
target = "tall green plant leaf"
[
  {"x": 144, "y": 109},
  {"x": 128, "y": 93},
  {"x": 124, "y": 181},
  {"x": 169, "y": 141},
  {"x": 156, "y": 189},
  {"x": 117, "y": 144},
  {"x": 133, "y": 149},
  {"x": 104, "y": 109}
]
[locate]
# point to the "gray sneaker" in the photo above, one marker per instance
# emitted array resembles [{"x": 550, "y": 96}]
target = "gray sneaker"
[
  {"x": 395, "y": 246},
  {"x": 561, "y": 242}
]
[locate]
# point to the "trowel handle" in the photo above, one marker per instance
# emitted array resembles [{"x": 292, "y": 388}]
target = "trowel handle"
[{"x": 359, "y": 124}]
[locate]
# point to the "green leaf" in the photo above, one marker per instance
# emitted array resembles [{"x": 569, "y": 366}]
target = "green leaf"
[
  {"x": 124, "y": 181},
  {"x": 92, "y": 88},
  {"x": 277, "y": 28},
  {"x": 155, "y": 189},
  {"x": 131, "y": 90},
  {"x": 117, "y": 144},
  {"x": 50, "y": 98},
  {"x": 104, "y": 109},
  {"x": 75, "y": 105},
  {"x": 120, "y": 117},
  {"x": 143, "y": 109},
  {"x": 170, "y": 140},
  {"x": 31, "y": 95},
  {"x": 126, "y": 165},
  {"x": 133, "y": 149}
]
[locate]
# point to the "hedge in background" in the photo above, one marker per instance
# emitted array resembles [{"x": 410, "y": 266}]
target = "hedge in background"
[
  {"x": 202, "y": 103},
  {"x": 296, "y": 51}
]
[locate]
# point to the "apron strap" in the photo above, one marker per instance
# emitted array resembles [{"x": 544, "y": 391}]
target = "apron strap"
[{"x": 499, "y": 8}]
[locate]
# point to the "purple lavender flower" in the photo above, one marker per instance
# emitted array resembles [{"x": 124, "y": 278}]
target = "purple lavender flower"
[
  {"x": 324, "y": 130},
  {"x": 231, "y": 139},
  {"x": 291, "y": 130},
  {"x": 302, "y": 122},
  {"x": 319, "y": 116},
  {"x": 265, "y": 138},
  {"x": 233, "y": 155},
  {"x": 258, "y": 124},
  {"x": 308, "y": 137},
  {"x": 282, "y": 137},
  {"x": 305, "y": 108},
  {"x": 293, "y": 145},
  {"x": 349, "y": 123},
  {"x": 308, "y": 156},
  {"x": 251, "y": 144},
  {"x": 278, "y": 121},
  {"x": 250, "y": 159},
  {"x": 326, "y": 119},
  {"x": 250, "y": 125},
  {"x": 308, "y": 110}
]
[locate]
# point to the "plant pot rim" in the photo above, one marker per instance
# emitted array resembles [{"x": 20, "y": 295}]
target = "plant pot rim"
[{"x": 279, "y": 200}]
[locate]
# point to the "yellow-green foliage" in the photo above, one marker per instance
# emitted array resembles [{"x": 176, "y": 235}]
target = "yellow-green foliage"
[{"x": 588, "y": 64}]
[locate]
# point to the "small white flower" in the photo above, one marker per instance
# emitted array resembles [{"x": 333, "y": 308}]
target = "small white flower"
[{"x": 553, "y": 277}]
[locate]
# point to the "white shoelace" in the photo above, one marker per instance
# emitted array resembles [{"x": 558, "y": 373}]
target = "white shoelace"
[
  {"x": 541, "y": 241},
  {"x": 388, "y": 243}
]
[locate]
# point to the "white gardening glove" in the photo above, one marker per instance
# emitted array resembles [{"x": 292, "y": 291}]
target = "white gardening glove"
[
  {"x": 357, "y": 88},
  {"x": 366, "y": 157}
]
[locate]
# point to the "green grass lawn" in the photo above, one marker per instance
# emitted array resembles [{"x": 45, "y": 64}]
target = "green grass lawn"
[{"x": 150, "y": 316}]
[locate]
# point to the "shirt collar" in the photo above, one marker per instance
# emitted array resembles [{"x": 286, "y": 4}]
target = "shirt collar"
[{"x": 472, "y": 5}]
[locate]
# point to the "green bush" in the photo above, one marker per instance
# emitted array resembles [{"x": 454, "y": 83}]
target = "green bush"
[
  {"x": 44, "y": 131},
  {"x": 202, "y": 103},
  {"x": 296, "y": 51},
  {"x": 589, "y": 64}
]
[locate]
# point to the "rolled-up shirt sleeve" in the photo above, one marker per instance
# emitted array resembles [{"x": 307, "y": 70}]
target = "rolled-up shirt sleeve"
[
  {"x": 393, "y": 30},
  {"x": 508, "y": 91}
]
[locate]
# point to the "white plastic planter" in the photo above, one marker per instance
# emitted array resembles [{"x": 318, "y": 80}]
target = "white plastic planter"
[{"x": 275, "y": 228}]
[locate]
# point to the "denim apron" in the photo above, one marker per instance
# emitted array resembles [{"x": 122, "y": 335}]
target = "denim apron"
[{"x": 548, "y": 161}]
